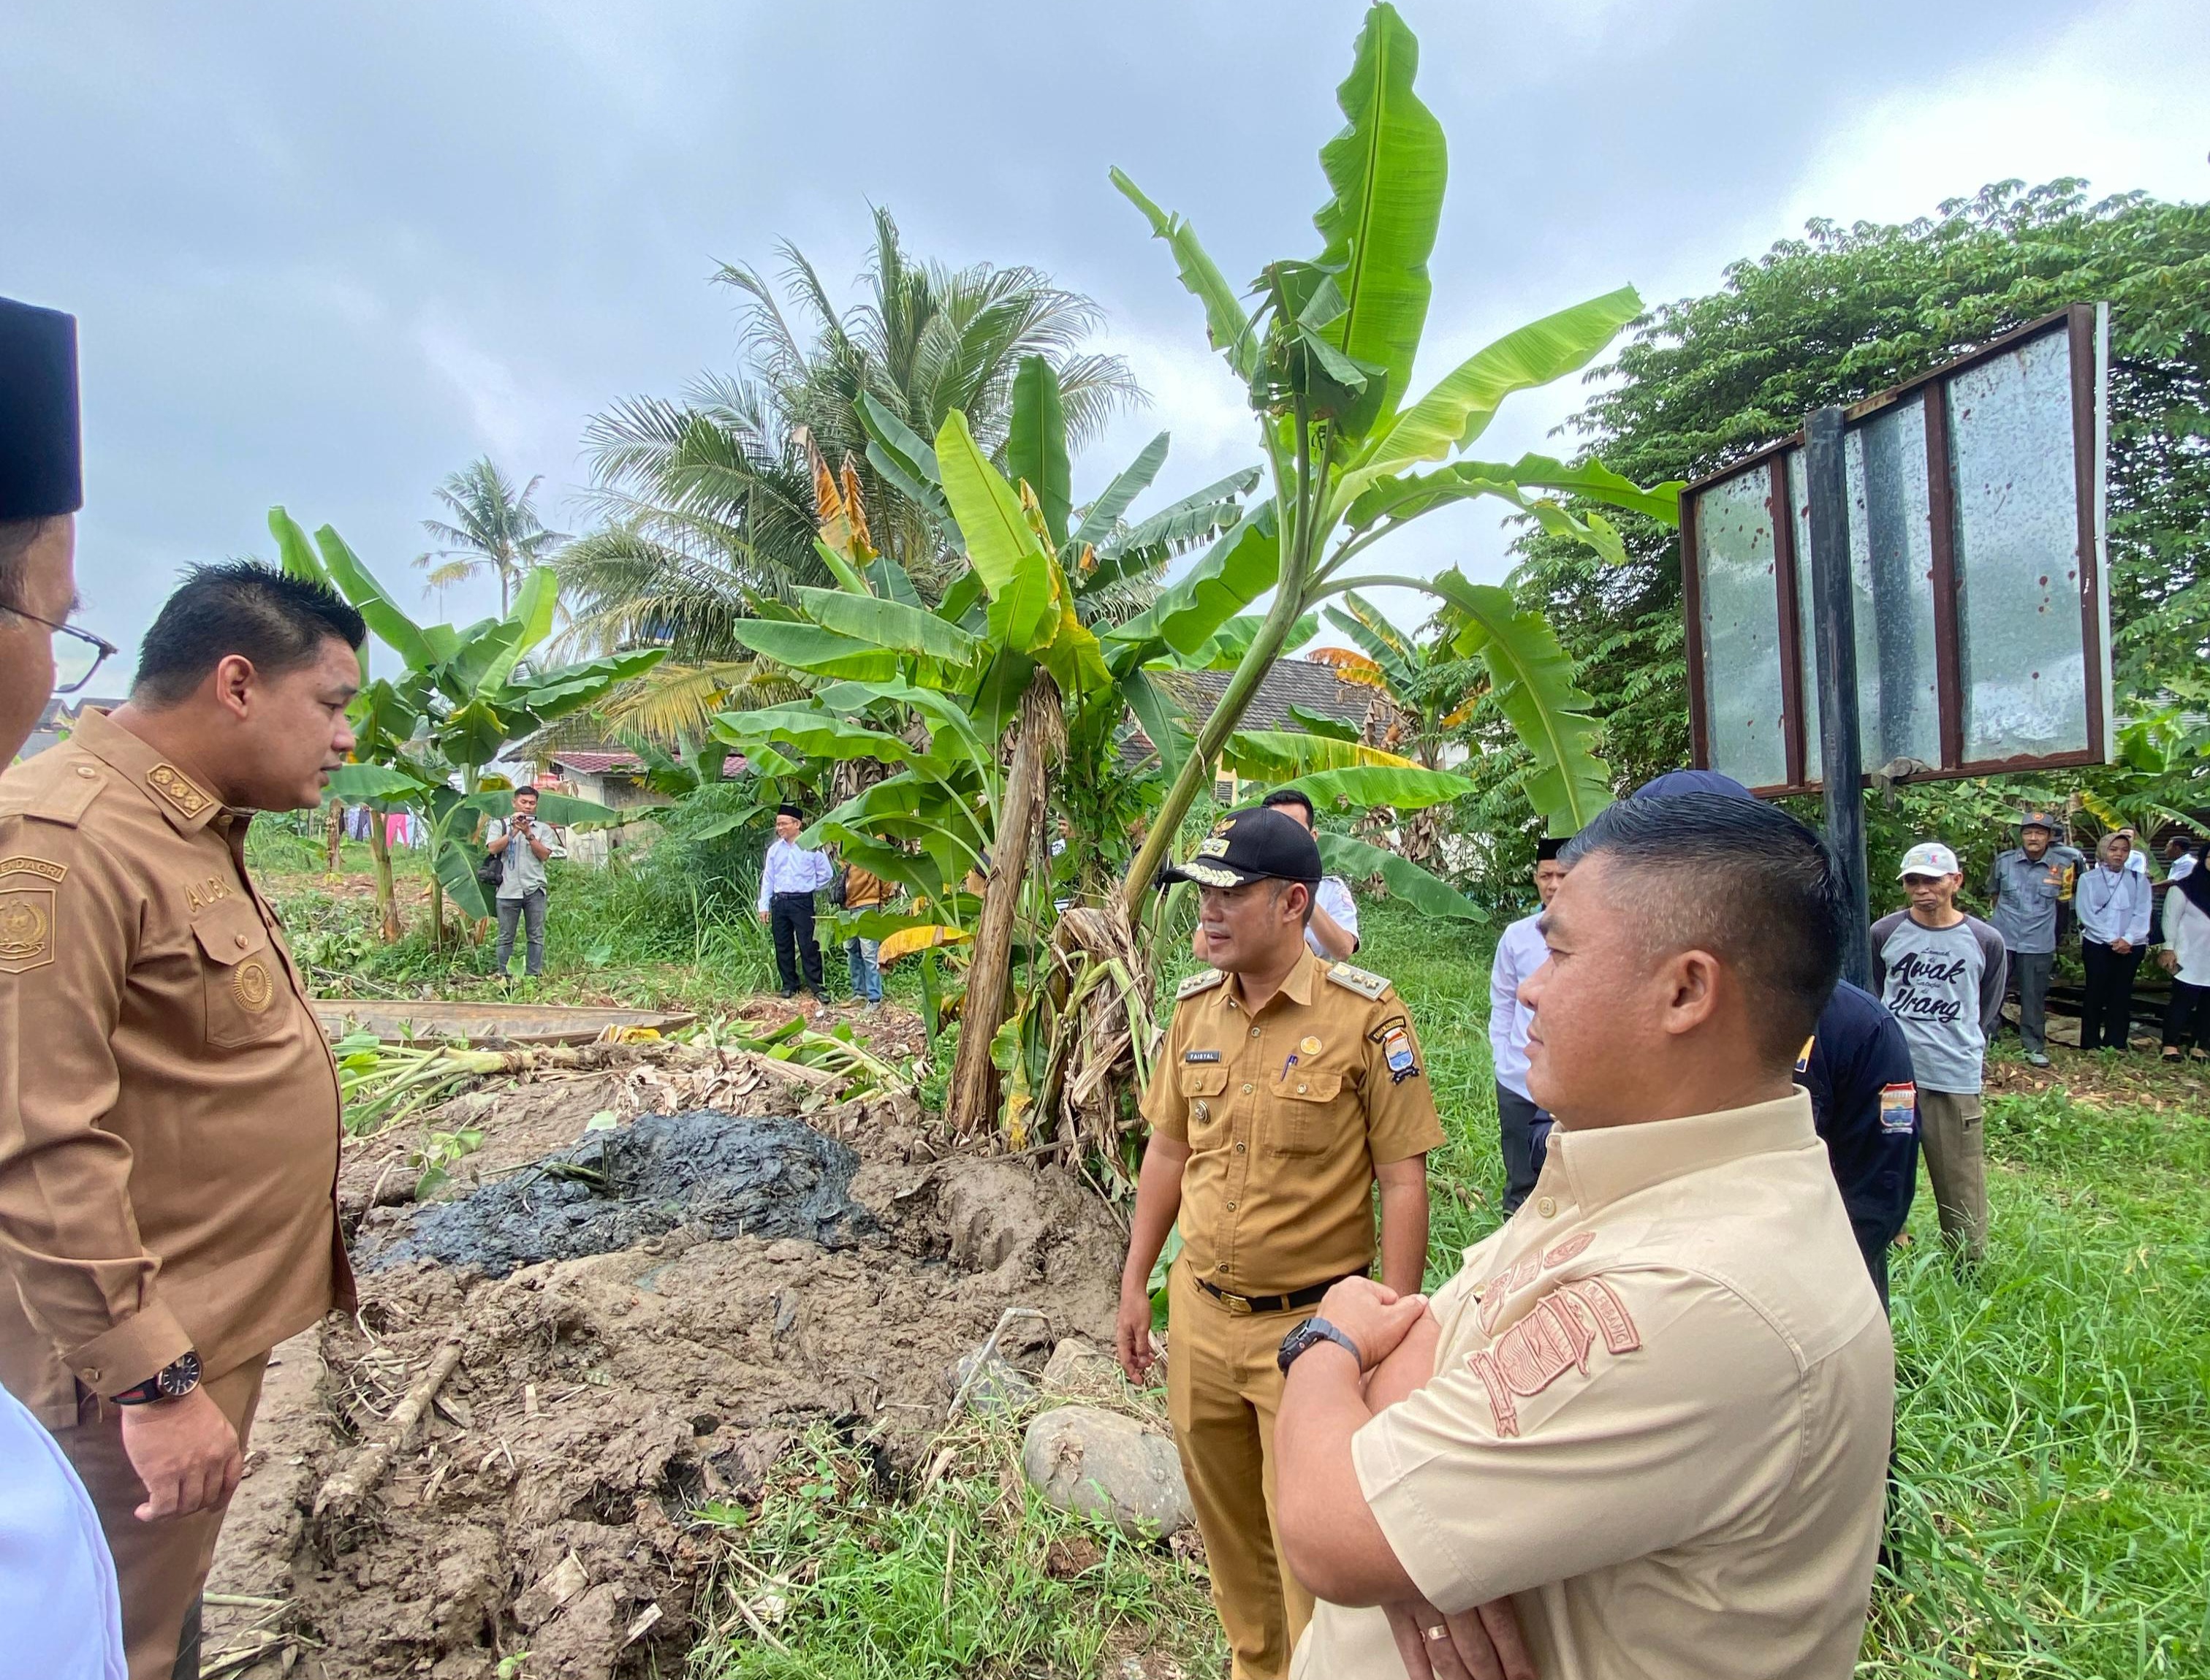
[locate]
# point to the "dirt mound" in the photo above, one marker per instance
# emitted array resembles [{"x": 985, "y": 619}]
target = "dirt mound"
[
  {"x": 545, "y": 1501},
  {"x": 719, "y": 1175}
]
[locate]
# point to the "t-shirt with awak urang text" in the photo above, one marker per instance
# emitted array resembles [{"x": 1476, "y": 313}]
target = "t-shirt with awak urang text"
[{"x": 1946, "y": 986}]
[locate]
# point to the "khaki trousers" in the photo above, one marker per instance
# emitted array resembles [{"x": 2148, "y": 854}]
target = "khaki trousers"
[
  {"x": 1950, "y": 1133},
  {"x": 1223, "y": 1392},
  {"x": 161, "y": 1567}
]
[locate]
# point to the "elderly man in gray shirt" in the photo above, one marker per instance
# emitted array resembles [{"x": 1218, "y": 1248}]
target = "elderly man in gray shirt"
[{"x": 2025, "y": 888}]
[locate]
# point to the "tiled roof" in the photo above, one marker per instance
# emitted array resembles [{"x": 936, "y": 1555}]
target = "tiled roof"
[
  {"x": 616, "y": 762},
  {"x": 1299, "y": 682}
]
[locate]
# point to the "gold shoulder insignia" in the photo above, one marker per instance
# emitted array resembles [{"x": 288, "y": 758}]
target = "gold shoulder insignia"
[
  {"x": 179, "y": 789},
  {"x": 1202, "y": 981},
  {"x": 1367, "y": 986}
]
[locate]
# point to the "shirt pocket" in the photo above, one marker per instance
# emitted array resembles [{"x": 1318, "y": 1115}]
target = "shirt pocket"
[
  {"x": 241, "y": 976},
  {"x": 1201, "y": 1085},
  {"x": 1305, "y": 1115}
]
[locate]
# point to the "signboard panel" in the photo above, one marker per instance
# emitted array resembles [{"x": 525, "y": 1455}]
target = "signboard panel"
[{"x": 1974, "y": 501}]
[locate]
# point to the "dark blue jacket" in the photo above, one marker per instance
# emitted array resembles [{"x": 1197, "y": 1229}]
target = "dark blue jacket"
[{"x": 1857, "y": 1057}]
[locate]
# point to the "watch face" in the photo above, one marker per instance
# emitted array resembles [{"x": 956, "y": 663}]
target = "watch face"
[{"x": 180, "y": 1378}]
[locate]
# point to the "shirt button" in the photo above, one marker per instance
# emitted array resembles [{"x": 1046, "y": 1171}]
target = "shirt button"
[
  {"x": 243, "y": 942},
  {"x": 1255, "y": 1032},
  {"x": 1248, "y": 1087},
  {"x": 1547, "y": 1208},
  {"x": 87, "y": 771},
  {"x": 1302, "y": 1089},
  {"x": 1222, "y": 1267},
  {"x": 1231, "y": 1207}
]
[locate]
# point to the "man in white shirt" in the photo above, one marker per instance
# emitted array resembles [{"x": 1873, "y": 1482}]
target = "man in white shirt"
[
  {"x": 788, "y": 879},
  {"x": 1332, "y": 932},
  {"x": 1522, "y": 1127}
]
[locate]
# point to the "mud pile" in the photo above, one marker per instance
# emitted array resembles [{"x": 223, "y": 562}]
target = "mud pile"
[
  {"x": 718, "y": 1174},
  {"x": 643, "y": 1319}
]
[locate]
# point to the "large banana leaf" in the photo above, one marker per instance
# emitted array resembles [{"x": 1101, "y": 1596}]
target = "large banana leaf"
[
  {"x": 1366, "y": 786},
  {"x": 293, "y": 550},
  {"x": 1233, "y": 640},
  {"x": 554, "y": 694},
  {"x": 1277, "y": 755},
  {"x": 889, "y": 624},
  {"x": 1387, "y": 167},
  {"x": 1379, "y": 639},
  {"x": 1225, "y": 322},
  {"x": 944, "y": 713},
  {"x": 1402, "y": 497},
  {"x": 1035, "y": 443},
  {"x": 1238, "y": 568},
  {"x": 564, "y": 809},
  {"x": 357, "y": 585},
  {"x": 353, "y": 783},
  {"x": 1102, "y": 515},
  {"x": 383, "y": 713},
  {"x": 1355, "y": 860},
  {"x": 1000, "y": 543},
  {"x": 1199, "y": 514},
  {"x": 1532, "y": 680},
  {"x": 454, "y": 865},
  {"x": 1459, "y": 409},
  {"x": 1161, "y": 717},
  {"x": 904, "y": 459},
  {"x": 808, "y": 647},
  {"x": 810, "y": 730}
]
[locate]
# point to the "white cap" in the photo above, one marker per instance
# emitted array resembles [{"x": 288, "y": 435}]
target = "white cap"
[{"x": 1929, "y": 858}]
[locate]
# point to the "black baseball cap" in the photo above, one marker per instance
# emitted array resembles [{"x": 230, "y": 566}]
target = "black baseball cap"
[{"x": 1255, "y": 844}]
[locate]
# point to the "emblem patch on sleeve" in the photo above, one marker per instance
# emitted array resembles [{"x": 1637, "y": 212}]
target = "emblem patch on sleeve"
[
  {"x": 1396, "y": 1050},
  {"x": 26, "y": 929},
  {"x": 1556, "y": 1335},
  {"x": 1898, "y": 1107}
]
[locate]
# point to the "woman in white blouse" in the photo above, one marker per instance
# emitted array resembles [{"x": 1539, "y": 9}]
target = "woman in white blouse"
[{"x": 2186, "y": 958}]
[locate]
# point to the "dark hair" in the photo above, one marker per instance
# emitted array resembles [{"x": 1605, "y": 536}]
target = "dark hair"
[
  {"x": 17, "y": 536},
  {"x": 1281, "y": 796},
  {"x": 524, "y": 788},
  {"x": 240, "y": 607},
  {"x": 1742, "y": 879}
]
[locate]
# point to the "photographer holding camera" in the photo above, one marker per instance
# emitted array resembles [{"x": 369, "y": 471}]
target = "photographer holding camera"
[{"x": 521, "y": 877}]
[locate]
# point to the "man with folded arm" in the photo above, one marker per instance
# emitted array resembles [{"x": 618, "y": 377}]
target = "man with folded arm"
[{"x": 1645, "y": 1429}]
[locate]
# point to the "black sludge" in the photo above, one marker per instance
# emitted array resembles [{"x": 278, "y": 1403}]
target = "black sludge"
[{"x": 730, "y": 1175}]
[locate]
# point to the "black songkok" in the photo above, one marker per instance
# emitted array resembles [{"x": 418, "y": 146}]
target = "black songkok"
[{"x": 40, "y": 470}]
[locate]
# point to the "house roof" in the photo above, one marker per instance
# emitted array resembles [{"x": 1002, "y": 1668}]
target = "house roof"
[
  {"x": 616, "y": 762},
  {"x": 1298, "y": 682}
]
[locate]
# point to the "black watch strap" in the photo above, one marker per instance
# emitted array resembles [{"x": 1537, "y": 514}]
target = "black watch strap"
[{"x": 1309, "y": 1335}]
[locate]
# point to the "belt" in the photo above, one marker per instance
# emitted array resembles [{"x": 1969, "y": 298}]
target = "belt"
[
  {"x": 808, "y": 893},
  {"x": 1271, "y": 1303}
]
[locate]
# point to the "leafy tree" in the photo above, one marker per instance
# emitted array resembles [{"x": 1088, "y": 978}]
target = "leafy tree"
[
  {"x": 493, "y": 528},
  {"x": 711, "y": 501},
  {"x": 1327, "y": 356},
  {"x": 1842, "y": 313}
]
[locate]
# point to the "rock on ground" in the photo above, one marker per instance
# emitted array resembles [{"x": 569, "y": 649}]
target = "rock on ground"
[{"x": 1107, "y": 1464}]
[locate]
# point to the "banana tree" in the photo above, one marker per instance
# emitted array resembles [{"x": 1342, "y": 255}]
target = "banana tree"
[
  {"x": 466, "y": 695},
  {"x": 1325, "y": 350}
]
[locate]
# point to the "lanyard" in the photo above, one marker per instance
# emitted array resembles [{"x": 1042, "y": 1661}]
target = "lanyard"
[{"x": 2103, "y": 904}]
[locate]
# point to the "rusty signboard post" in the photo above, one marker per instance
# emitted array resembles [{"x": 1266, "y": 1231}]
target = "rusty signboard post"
[{"x": 1914, "y": 584}]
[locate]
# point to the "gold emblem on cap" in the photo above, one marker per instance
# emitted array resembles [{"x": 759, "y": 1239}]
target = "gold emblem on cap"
[
  {"x": 250, "y": 985},
  {"x": 1308, "y": 1047}
]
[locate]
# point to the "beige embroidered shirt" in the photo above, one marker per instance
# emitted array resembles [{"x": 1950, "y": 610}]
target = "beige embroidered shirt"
[{"x": 1659, "y": 1418}]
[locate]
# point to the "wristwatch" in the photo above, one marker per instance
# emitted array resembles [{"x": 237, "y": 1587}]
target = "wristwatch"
[
  {"x": 1310, "y": 1334},
  {"x": 172, "y": 1382}
]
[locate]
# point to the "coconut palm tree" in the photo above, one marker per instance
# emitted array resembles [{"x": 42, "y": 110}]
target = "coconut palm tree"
[
  {"x": 493, "y": 528},
  {"x": 708, "y": 500}
]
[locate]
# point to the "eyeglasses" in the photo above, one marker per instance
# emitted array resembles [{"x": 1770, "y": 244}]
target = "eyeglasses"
[{"x": 77, "y": 653}]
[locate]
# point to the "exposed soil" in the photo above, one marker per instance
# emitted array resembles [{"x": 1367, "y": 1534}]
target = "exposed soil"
[{"x": 542, "y": 1503}]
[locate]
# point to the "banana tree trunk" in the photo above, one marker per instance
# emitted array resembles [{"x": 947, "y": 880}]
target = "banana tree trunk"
[
  {"x": 387, "y": 897},
  {"x": 333, "y": 836},
  {"x": 974, "y": 1094}
]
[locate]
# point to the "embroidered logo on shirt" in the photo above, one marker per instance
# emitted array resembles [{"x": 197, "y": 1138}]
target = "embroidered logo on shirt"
[
  {"x": 33, "y": 866},
  {"x": 26, "y": 929},
  {"x": 250, "y": 985},
  {"x": 200, "y": 894},
  {"x": 1555, "y": 1338},
  {"x": 1396, "y": 1050},
  {"x": 1557, "y": 1255},
  {"x": 1898, "y": 1107}
]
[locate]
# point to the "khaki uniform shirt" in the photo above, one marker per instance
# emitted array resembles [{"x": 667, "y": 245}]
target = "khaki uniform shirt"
[
  {"x": 1287, "y": 1112},
  {"x": 168, "y": 1105},
  {"x": 1660, "y": 1417}
]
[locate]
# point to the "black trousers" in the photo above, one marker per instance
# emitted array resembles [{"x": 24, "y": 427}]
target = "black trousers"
[
  {"x": 2187, "y": 1017},
  {"x": 1524, "y": 1131},
  {"x": 790, "y": 916},
  {"x": 2106, "y": 1014}
]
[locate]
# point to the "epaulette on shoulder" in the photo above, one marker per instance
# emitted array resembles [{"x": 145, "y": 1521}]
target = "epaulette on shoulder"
[
  {"x": 1202, "y": 981},
  {"x": 1367, "y": 986},
  {"x": 52, "y": 798}
]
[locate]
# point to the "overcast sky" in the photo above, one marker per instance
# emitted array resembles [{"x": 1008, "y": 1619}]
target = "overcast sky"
[{"x": 324, "y": 255}]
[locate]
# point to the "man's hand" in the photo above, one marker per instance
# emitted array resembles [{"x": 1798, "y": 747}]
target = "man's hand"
[
  {"x": 764, "y": 918},
  {"x": 186, "y": 1454},
  {"x": 2168, "y": 960},
  {"x": 1131, "y": 1335},
  {"x": 1372, "y": 1316},
  {"x": 1479, "y": 1644},
  {"x": 2122, "y": 947}
]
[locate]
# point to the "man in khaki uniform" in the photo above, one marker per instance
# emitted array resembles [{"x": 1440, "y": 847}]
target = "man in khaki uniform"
[
  {"x": 1651, "y": 1412},
  {"x": 1287, "y": 1086},
  {"x": 168, "y": 1107}
]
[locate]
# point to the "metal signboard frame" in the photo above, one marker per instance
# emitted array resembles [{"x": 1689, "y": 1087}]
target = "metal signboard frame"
[{"x": 1929, "y": 403}]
